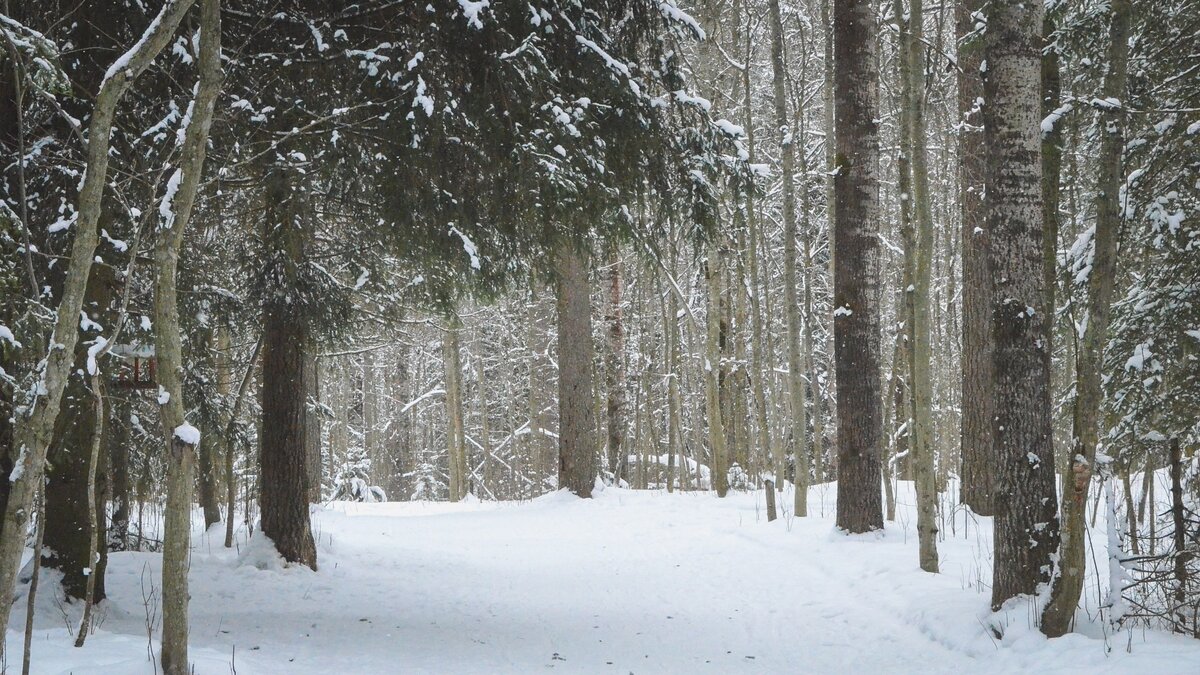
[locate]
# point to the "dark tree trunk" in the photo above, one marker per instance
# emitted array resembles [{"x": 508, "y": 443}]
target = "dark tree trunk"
[
  {"x": 978, "y": 475},
  {"x": 283, "y": 465},
  {"x": 615, "y": 374},
  {"x": 312, "y": 427},
  {"x": 68, "y": 537},
  {"x": 856, "y": 267},
  {"x": 210, "y": 500},
  {"x": 67, "y": 542},
  {"x": 1026, "y": 527},
  {"x": 576, "y": 395},
  {"x": 118, "y": 457}
]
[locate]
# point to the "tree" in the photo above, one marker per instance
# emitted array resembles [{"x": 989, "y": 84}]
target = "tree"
[
  {"x": 796, "y": 385},
  {"x": 917, "y": 232},
  {"x": 34, "y": 429},
  {"x": 1026, "y": 526},
  {"x": 1101, "y": 280},
  {"x": 181, "y": 438},
  {"x": 856, "y": 267},
  {"x": 977, "y": 408},
  {"x": 577, "y": 446}
]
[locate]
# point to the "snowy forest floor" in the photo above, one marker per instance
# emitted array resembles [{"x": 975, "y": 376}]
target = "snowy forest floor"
[{"x": 641, "y": 582}]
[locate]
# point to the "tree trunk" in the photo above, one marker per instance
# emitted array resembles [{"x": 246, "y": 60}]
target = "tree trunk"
[
  {"x": 719, "y": 461},
  {"x": 1026, "y": 526},
  {"x": 68, "y": 509},
  {"x": 312, "y": 422},
  {"x": 455, "y": 444},
  {"x": 615, "y": 373},
  {"x": 181, "y": 438},
  {"x": 787, "y": 161},
  {"x": 35, "y": 428},
  {"x": 576, "y": 392},
  {"x": 978, "y": 462},
  {"x": 1072, "y": 560},
  {"x": 857, "y": 261},
  {"x": 918, "y": 239}
]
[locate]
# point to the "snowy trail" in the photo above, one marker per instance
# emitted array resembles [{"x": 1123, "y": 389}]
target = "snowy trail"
[{"x": 627, "y": 582}]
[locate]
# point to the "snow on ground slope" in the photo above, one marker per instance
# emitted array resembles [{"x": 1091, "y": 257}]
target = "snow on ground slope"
[{"x": 641, "y": 582}]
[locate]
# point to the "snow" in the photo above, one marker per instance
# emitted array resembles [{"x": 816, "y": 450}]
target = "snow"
[
  {"x": 630, "y": 581},
  {"x": 93, "y": 352},
  {"x": 6, "y": 334},
  {"x": 187, "y": 433},
  {"x": 165, "y": 207},
  {"x": 468, "y": 247},
  {"x": 471, "y": 10}
]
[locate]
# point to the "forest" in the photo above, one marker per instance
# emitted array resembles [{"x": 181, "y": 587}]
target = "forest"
[{"x": 667, "y": 336}]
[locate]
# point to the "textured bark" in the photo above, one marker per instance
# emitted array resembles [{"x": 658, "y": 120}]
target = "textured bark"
[
  {"x": 1072, "y": 560},
  {"x": 758, "y": 369},
  {"x": 168, "y": 351},
  {"x": 312, "y": 423},
  {"x": 283, "y": 467},
  {"x": 34, "y": 430},
  {"x": 978, "y": 473},
  {"x": 674, "y": 397},
  {"x": 456, "y": 448},
  {"x": 119, "y": 487},
  {"x": 68, "y": 514},
  {"x": 227, "y": 446},
  {"x": 857, "y": 262},
  {"x": 787, "y": 162},
  {"x": 919, "y": 262},
  {"x": 615, "y": 374},
  {"x": 719, "y": 459},
  {"x": 1026, "y": 525},
  {"x": 576, "y": 392}
]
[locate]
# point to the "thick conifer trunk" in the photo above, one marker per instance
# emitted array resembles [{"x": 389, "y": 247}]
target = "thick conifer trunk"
[
  {"x": 856, "y": 265},
  {"x": 1026, "y": 526},
  {"x": 283, "y": 470},
  {"x": 576, "y": 393},
  {"x": 978, "y": 475}
]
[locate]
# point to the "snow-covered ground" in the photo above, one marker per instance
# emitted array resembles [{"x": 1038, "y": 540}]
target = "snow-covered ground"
[{"x": 642, "y": 582}]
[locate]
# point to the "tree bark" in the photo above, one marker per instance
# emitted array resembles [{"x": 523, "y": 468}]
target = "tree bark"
[
  {"x": 787, "y": 162},
  {"x": 1026, "y": 525},
  {"x": 719, "y": 461},
  {"x": 978, "y": 462},
  {"x": 918, "y": 260},
  {"x": 181, "y": 438},
  {"x": 576, "y": 393},
  {"x": 1072, "y": 560},
  {"x": 456, "y": 448},
  {"x": 856, "y": 264},
  {"x": 34, "y": 430},
  {"x": 615, "y": 373}
]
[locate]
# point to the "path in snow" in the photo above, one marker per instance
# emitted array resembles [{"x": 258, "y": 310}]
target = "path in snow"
[{"x": 639, "y": 582}]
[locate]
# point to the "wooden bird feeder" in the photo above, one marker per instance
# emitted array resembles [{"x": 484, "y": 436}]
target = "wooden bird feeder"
[{"x": 137, "y": 372}]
